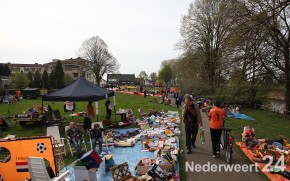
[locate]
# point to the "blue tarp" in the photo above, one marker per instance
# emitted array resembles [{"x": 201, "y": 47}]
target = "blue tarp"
[
  {"x": 239, "y": 116},
  {"x": 132, "y": 155}
]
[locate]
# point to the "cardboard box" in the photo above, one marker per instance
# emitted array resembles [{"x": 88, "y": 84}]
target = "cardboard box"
[{"x": 142, "y": 169}]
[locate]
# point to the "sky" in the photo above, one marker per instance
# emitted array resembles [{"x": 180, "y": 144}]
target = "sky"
[{"x": 140, "y": 34}]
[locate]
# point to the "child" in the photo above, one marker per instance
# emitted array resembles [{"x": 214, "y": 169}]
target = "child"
[{"x": 249, "y": 137}]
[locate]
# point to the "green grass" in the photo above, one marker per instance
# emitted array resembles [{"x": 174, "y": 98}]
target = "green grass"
[
  {"x": 267, "y": 125},
  {"x": 122, "y": 101}
]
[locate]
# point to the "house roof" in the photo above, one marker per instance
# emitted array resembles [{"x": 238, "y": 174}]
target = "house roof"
[
  {"x": 122, "y": 77},
  {"x": 77, "y": 60},
  {"x": 24, "y": 65}
]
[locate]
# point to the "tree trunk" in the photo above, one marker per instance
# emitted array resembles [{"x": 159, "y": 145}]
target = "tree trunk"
[
  {"x": 98, "y": 79},
  {"x": 287, "y": 80}
]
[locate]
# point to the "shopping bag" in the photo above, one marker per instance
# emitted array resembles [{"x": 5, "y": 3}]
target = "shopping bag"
[{"x": 201, "y": 136}]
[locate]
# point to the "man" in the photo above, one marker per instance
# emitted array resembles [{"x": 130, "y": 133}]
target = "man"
[
  {"x": 96, "y": 135},
  {"x": 216, "y": 116},
  {"x": 191, "y": 118},
  {"x": 108, "y": 108},
  {"x": 74, "y": 135}
]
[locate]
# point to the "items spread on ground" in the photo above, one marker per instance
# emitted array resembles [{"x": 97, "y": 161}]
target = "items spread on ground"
[{"x": 267, "y": 152}]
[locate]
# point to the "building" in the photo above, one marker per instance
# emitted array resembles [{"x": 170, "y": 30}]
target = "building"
[
  {"x": 121, "y": 79},
  {"x": 4, "y": 81},
  {"x": 25, "y": 68},
  {"x": 73, "y": 67}
]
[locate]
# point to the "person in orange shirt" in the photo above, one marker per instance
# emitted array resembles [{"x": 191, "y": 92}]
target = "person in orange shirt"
[
  {"x": 216, "y": 116},
  {"x": 18, "y": 94},
  {"x": 249, "y": 137},
  {"x": 90, "y": 110}
]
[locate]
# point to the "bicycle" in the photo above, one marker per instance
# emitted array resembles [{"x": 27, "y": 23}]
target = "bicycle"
[
  {"x": 8, "y": 119},
  {"x": 226, "y": 144}
]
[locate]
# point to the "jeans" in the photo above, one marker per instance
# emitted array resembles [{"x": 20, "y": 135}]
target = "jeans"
[
  {"x": 100, "y": 142},
  {"x": 191, "y": 130},
  {"x": 249, "y": 140},
  {"x": 78, "y": 146},
  {"x": 109, "y": 112},
  {"x": 215, "y": 139}
]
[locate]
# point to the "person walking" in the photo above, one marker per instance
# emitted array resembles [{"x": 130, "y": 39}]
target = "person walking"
[
  {"x": 191, "y": 117},
  {"x": 216, "y": 116}
]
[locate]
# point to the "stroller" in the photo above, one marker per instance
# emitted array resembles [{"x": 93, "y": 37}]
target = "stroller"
[{"x": 3, "y": 125}]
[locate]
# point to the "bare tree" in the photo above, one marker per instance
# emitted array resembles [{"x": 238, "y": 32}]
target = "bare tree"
[
  {"x": 100, "y": 61},
  {"x": 143, "y": 76},
  {"x": 205, "y": 31},
  {"x": 272, "y": 18}
]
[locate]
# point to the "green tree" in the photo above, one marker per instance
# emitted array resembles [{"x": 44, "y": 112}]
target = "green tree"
[
  {"x": 100, "y": 61},
  {"x": 165, "y": 74},
  {"x": 153, "y": 77},
  {"x": 52, "y": 80},
  {"x": 143, "y": 77},
  {"x": 30, "y": 78},
  {"x": 59, "y": 75},
  {"x": 37, "y": 80},
  {"x": 45, "y": 79},
  {"x": 4, "y": 70},
  {"x": 19, "y": 80},
  {"x": 68, "y": 79}
]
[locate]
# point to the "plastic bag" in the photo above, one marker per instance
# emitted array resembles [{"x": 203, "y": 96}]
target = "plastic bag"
[{"x": 201, "y": 136}]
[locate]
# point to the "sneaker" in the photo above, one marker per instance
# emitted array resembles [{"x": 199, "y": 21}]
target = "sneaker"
[
  {"x": 213, "y": 155},
  {"x": 217, "y": 154},
  {"x": 188, "y": 152}
]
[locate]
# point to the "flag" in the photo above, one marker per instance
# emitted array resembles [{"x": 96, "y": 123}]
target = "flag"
[{"x": 22, "y": 166}]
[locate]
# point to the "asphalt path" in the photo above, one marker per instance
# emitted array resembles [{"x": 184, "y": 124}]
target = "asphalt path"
[{"x": 200, "y": 163}]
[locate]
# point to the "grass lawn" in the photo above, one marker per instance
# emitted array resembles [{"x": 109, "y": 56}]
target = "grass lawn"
[
  {"x": 267, "y": 125},
  {"x": 122, "y": 101}
]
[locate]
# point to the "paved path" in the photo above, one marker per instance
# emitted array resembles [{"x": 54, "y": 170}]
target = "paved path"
[{"x": 202, "y": 155}]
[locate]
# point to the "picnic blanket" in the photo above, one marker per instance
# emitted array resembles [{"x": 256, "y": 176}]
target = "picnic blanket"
[
  {"x": 271, "y": 176},
  {"x": 239, "y": 116}
]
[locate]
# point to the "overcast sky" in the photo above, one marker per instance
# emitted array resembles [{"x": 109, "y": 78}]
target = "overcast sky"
[{"x": 139, "y": 33}]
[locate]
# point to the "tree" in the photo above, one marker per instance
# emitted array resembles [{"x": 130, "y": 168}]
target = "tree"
[
  {"x": 52, "y": 82},
  {"x": 45, "y": 79},
  {"x": 205, "y": 30},
  {"x": 68, "y": 79},
  {"x": 100, "y": 61},
  {"x": 153, "y": 77},
  {"x": 30, "y": 78},
  {"x": 4, "y": 70},
  {"x": 59, "y": 75},
  {"x": 270, "y": 19},
  {"x": 143, "y": 76},
  {"x": 37, "y": 79},
  {"x": 19, "y": 80},
  {"x": 165, "y": 74}
]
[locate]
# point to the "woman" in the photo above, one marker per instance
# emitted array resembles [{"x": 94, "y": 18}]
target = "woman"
[{"x": 90, "y": 110}]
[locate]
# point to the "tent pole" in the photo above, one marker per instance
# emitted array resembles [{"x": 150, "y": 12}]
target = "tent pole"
[
  {"x": 42, "y": 116},
  {"x": 115, "y": 107}
]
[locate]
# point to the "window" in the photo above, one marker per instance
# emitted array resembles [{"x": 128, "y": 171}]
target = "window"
[
  {"x": 113, "y": 80},
  {"x": 76, "y": 75}
]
